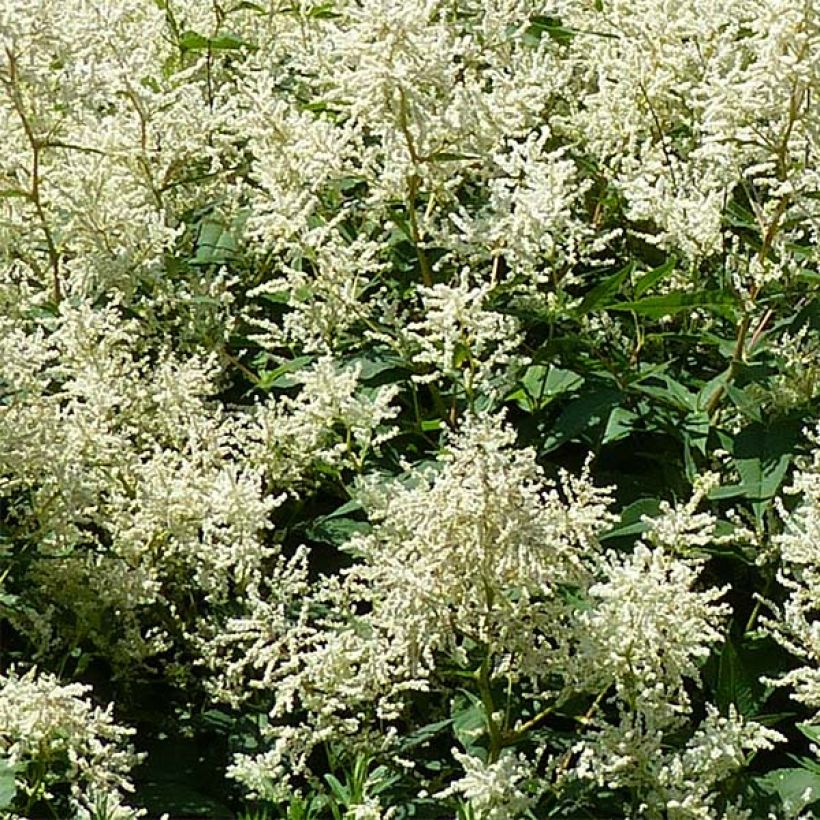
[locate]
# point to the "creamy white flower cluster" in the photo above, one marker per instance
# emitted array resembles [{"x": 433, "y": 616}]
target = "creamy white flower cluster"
[
  {"x": 333, "y": 421},
  {"x": 129, "y": 478},
  {"x": 796, "y": 625},
  {"x": 140, "y": 488},
  {"x": 476, "y": 560},
  {"x": 51, "y": 735},
  {"x": 457, "y": 334},
  {"x": 491, "y": 790},
  {"x": 673, "y": 784},
  {"x": 686, "y": 104},
  {"x": 313, "y": 141},
  {"x": 313, "y": 179}
]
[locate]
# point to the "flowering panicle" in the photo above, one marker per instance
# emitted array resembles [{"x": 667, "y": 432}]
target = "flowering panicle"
[
  {"x": 51, "y": 734},
  {"x": 795, "y": 624},
  {"x": 275, "y": 269}
]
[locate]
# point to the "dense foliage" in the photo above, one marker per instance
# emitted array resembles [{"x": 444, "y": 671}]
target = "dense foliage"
[{"x": 409, "y": 409}]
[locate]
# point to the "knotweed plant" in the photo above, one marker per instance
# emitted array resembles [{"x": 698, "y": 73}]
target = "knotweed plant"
[{"x": 406, "y": 408}]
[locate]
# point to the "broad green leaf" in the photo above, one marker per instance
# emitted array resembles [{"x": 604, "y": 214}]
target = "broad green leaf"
[
  {"x": 8, "y": 788},
  {"x": 281, "y": 376},
  {"x": 335, "y": 531},
  {"x": 796, "y": 787},
  {"x": 551, "y": 26},
  {"x": 605, "y": 290},
  {"x": 656, "y": 307},
  {"x": 708, "y": 390},
  {"x": 747, "y": 405},
  {"x": 215, "y": 244},
  {"x": 737, "y": 685},
  {"x": 193, "y": 41},
  {"x": 347, "y": 507},
  {"x": 376, "y": 363},
  {"x": 542, "y": 384},
  {"x": 726, "y": 491},
  {"x": 620, "y": 424},
  {"x": 762, "y": 454},
  {"x": 227, "y": 42},
  {"x": 631, "y": 522},
  {"x": 469, "y": 722},
  {"x": 574, "y": 597},
  {"x": 695, "y": 430},
  {"x": 670, "y": 391},
  {"x": 811, "y": 731},
  {"x": 423, "y": 735},
  {"x": 555, "y": 382},
  {"x": 588, "y": 410}
]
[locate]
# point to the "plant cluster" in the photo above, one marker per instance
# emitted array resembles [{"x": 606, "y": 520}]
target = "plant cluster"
[{"x": 410, "y": 410}]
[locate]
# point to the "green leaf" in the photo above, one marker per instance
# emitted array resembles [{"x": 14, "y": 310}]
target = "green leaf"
[
  {"x": 621, "y": 423},
  {"x": 737, "y": 684},
  {"x": 551, "y": 26},
  {"x": 335, "y": 531},
  {"x": 748, "y": 406},
  {"x": 727, "y": 491},
  {"x": 246, "y": 4},
  {"x": 376, "y": 363},
  {"x": 340, "y": 792},
  {"x": 323, "y": 12},
  {"x": 762, "y": 454},
  {"x": 605, "y": 290},
  {"x": 280, "y": 377},
  {"x": 588, "y": 410},
  {"x": 631, "y": 522},
  {"x": 668, "y": 390},
  {"x": 739, "y": 217},
  {"x": 656, "y": 307},
  {"x": 555, "y": 382},
  {"x": 348, "y": 507},
  {"x": 695, "y": 430},
  {"x": 542, "y": 384},
  {"x": 713, "y": 386},
  {"x": 423, "y": 735},
  {"x": 228, "y": 42},
  {"x": 469, "y": 722},
  {"x": 461, "y": 354},
  {"x": 8, "y": 788},
  {"x": 811, "y": 731},
  {"x": 656, "y": 275},
  {"x": 193, "y": 41},
  {"x": 796, "y": 787},
  {"x": 215, "y": 244}
]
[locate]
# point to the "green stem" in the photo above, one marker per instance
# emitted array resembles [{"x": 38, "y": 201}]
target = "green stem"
[
  {"x": 412, "y": 191},
  {"x": 424, "y": 262},
  {"x": 511, "y": 738},
  {"x": 485, "y": 691}
]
